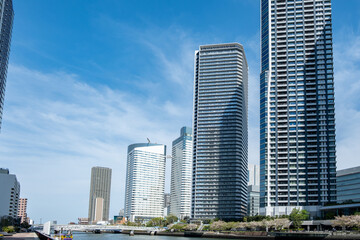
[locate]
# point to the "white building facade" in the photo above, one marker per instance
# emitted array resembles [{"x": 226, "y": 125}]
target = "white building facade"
[
  {"x": 145, "y": 181},
  {"x": 254, "y": 174},
  {"x": 9, "y": 194},
  {"x": 181, "y": 174}
]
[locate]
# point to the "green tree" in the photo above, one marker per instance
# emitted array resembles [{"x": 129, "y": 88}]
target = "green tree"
[
  {"x": 297, "y": 216},
  {"x": 156, "y": 222},
  {"x": 171, "y": 219},
  {"x": 25, "y": 225}
]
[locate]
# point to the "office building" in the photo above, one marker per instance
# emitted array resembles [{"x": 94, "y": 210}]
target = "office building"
[
  {"x": 145, "y": 182},
  {"x": 10, "y": 192},
  {"x": 22, "y": 213},
  {"x": 297, "y": 122},
  {"x": 253, "y": 200},
  {"x": 220, "y": 149},
  {"x": 254, "y": 174},
  {"x": 348, "y": 185},
  {"x": 6, "y": 23},
  {"x": 181, "y": 174},
  {"x": 99, "y": 199}
]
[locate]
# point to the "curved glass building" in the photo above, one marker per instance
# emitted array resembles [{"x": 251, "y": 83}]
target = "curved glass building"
[{"x": 145, "y": 181}]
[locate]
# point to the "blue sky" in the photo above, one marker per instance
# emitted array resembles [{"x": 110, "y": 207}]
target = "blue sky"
[{"x": 88, "y": 78}]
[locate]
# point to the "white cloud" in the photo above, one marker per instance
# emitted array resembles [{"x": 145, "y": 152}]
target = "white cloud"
[
  {"x": 56, "y": 127},
  {"x": 347, "y": 98}
]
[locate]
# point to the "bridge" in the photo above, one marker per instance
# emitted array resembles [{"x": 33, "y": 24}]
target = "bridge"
[{"x": 103, "y": 228}]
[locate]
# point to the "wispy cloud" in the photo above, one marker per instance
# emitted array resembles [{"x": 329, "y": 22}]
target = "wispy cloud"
[
  {"x": 56, "y": 127},
  {"x": 347, "y": 89}
]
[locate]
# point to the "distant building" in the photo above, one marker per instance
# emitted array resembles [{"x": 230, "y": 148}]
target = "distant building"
[
  {"x": 99, "y": 199},
  {"x": 181, "y": 174},
  {"x": 22, "y": 210},
  {"x": 83, "y": 221},
  {"x": 254, "y": 174},
  {"x": 220, "y": 132},
  {"x": 145, "y": 182},
  {"x": 253, "y": 190},
  {"x": 122, "y": 212},
  {"x": 167, "y": 202},
  {"x": 10, "y": 191},
  {"x": 6, "y": 24},
  {"x": 253, "y": 200},
  {"x": 348, "y": 185}
]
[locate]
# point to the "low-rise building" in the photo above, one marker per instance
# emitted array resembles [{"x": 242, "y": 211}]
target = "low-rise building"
[{"x": 347, "y": 183}]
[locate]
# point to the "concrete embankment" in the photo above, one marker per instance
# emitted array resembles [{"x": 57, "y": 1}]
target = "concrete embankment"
[
  {"x": 22, "y": 236},
  {"x": 252, "y": 235}
]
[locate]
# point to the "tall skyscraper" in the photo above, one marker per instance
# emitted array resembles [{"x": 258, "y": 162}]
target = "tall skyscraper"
[
  {"x": 22, "y": 210},
  {"x": 220, "y": 150},
  {"x": 181, "y": 174},
  {"x": 6, "y": 23},
  {"x": 99, "y": 200},
  {"x": 297, "y": 122},
  {"x": 10, "y": 192},
  {"x": 145, "y": 181}
]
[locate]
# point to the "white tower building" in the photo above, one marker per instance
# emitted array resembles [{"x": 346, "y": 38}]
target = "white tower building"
[
  {"x": 145, "y": 181},
  {"x": 181, "y": 174}
]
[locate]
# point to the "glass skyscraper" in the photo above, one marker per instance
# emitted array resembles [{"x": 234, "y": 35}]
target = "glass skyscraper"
[
  {"x": 220, "y": 150},
  {"x": 181, "y": 174},
  {"x": 145, "y": 182},
  {"x": 6, "y": 23},
  {"x": 297, "y": 122}
]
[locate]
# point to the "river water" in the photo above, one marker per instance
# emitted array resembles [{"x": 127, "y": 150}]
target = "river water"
[{"x": 108, "y": 236}]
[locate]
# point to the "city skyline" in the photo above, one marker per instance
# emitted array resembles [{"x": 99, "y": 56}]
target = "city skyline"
[{"x": 62, "y": 108}]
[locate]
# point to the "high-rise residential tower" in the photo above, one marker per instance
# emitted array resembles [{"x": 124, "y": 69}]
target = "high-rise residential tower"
[
  {"x": 145, "y": 181},
  {"x": 10, "y": 192},
  {"x": 99, "y": 200},
  {"x": 181, "y": 174},
  {"x": 220, "y": 149},
  {"x": 297, "y": 122},
  {"x": 6, "y": 23}
]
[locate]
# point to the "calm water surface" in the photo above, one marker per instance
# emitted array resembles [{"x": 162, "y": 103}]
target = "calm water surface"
[{"x": 108, "y": 236}]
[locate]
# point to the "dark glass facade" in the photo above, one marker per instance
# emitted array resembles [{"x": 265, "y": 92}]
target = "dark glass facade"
[
  {"x": 220, "y": 152},
  {"x": 6, "y": 22}
]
